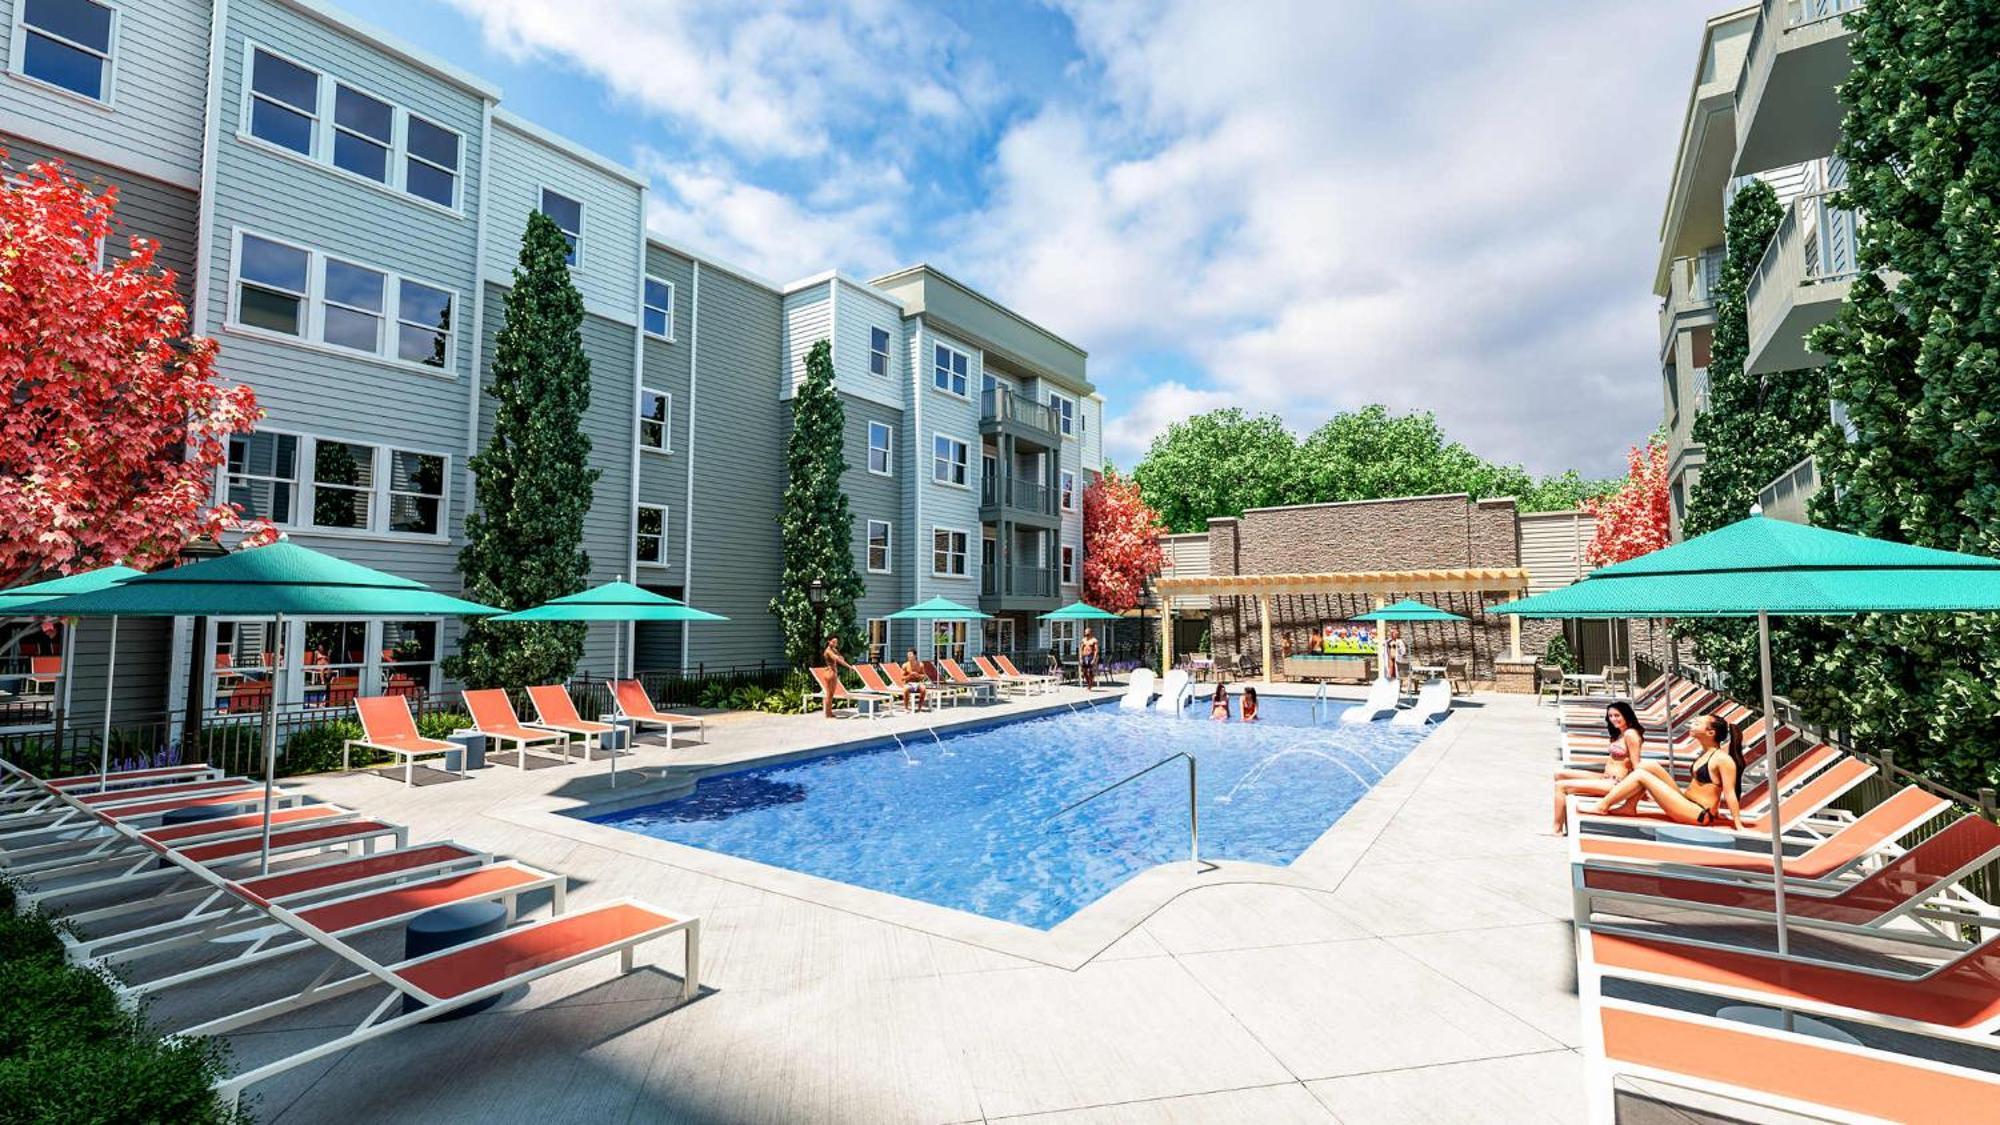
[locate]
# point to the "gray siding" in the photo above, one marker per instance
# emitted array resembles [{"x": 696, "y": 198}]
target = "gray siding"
[
  {"x": 144, "y": 663},
  {"x": 870, "y": 496},
  {"x": 663, "y": 476},
  {"x": 159, "y": 89},
  {"x": 739, "y": 470},
  {"x": 147, "y": 208},
  {"x": 608, "y": 274},
  {"x": 945, "y": 505},
  {"x": 808, "y": 320}
]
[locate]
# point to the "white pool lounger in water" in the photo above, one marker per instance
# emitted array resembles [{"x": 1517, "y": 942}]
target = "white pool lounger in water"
[
  {"x": 1433, "y": 703},
  {"x": 1173, "y": 692},
  {"x": 1139, "y": 693},
  {"x": 1380, "y": 704}
]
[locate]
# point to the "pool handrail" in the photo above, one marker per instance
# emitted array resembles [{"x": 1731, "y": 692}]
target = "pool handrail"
[{"x": 1194, "y": 815}]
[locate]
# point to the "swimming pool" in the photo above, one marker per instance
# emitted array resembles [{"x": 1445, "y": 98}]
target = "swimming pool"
[{"x": 966, "y": 822}]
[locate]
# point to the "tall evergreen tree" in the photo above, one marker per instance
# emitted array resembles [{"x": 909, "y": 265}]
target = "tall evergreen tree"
[
  {"x": 1753, "y": 428},
  {"x": 524, "y": 539},
  {"x": 817, "y": 527},
  {"x": 1915, "y": 361}
]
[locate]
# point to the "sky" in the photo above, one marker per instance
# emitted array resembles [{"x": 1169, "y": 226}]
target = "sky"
[{"x": 1298, "y": 208}]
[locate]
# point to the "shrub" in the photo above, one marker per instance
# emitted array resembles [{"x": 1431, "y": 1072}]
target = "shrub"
[
  {"x": 1559, "y": 654},
  {"x": 316, "y": 749},
  {"x": 441, "y": 724}
]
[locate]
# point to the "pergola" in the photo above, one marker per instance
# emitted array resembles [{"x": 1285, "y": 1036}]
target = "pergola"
[{"x": 1511, "y": 581}]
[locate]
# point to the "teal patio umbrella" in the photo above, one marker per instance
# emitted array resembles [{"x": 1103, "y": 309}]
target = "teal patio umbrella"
[
  {"x": 23, "y": 599},
  {"x": 1080, "y": 611},
  {"x": 277, "y": 581},
  {"x": 938, "y": 609},
  {"x": 1408, "y": 609},
  {"x": 1760, "y": 567},
  {"x": 618, "y": 601}
]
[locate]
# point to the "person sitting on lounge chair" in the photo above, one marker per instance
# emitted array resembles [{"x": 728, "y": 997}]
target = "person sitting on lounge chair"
[
  {"x": 1714, "y": 782},
  {"x": 918, "y": 678},
  {"x": 1625, "y": 739}
]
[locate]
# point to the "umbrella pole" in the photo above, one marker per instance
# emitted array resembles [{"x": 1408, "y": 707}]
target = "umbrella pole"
[
  {"x": 110, "y": 674},
  {"x": 617, "y": 643},
  {"x": 1771, "y": 771},
  {"x": 271, "y": 739},
  {"x": 1667, "y": 686}
]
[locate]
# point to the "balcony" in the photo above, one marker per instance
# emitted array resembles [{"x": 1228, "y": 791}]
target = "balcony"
[
  {"x": 1800, "y": 283},
  {"x": 1017, "y": 499},
  {"x": 1690, "y": 292},
  {"x": 1786, "y": 497},
  {"x": 1027, "y": 421},
  {"x": 1787, "y": 110},
  {"x": 1017, "y": 588}
]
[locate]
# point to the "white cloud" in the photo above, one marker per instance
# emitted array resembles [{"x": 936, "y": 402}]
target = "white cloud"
[
  {"x": 714, "y": 209},
  {"x": 1129, "y": 432}
]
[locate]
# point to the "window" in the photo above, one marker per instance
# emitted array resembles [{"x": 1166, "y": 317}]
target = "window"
[
  {"x": 878, "y": 639},
  {"x": 568, "y": 216},
  {"x": 430, "y": 162},
  {"x": 416, "y": 492},
  {"x": 651, "y": 535},
  {"x": 1069, "y": 566},
  {"x": 364, "y": 128},
  {"x": 1062, "y": 638},
  {"x": 656, "y": 420},
  {"x": 947, "y": 553},
  {"x": 336, "y": 654},
  {"x": 67, "y": 44},
  {"x": 343, "y": 485},
  {"x": 659, "y": 313},
  {"x": 878, "y": 351},
  {"x": 284, "y": 102},
  {"x": 881, "y": 447},
  {"x": 1068, "y": 491},
  {"x": 948, "y": 371},
  {"x": 950, "y": 461},
  {"x": 353, "y": 317},
  {"x": 948, "y": 640},
  {"x": 878, "y": 546},
  {"x": 262, "y": 476},
  {"x": 1065, "y": 411},
  {"x": 293, "y": 291},
  {"x": 271, "y": 293},
  {"x": 409, "y": 658}
]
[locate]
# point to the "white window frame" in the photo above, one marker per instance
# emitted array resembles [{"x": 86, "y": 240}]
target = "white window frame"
[
  {"x": 956, "y": 648},
  {"x": 938, "y": 346},
  {"x": 888, "y": 546},
  {"x": 1067, "y": 558},
  {"x": 666, "y": 529},
  {"x": 321, "y": 157},
  {"x": 315, "y": 308},
  {"x": 1068, "y": 480},
  {"x": 888, "y": 344},
  {"x": 966, "y": 462},
  {"x": 582, "y": 219},
  {"x": 868, "y": 636},
  {"x": 666, "y": 425},
  {"x": 645, "y": 307},
  {"x": 379, "y": 491},
  {"x": 334, "y": 128},
  {"x": 963, "y": 553},
  {"x": 1065, "y": 422},
  {"x": 299, "y": 484},
  {"x": 18, "y": 44},
  {"x": 888, "y": 448}
]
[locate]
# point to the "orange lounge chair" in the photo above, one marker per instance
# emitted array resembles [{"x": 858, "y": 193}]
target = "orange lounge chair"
[
  {"x": 936, "y": 689},
  {"x": 1893, "y": 891},
  {"x": 23, "y": 789},
  {"x": 493, "y": 716},
  {"x": 44, "y": 671},
  {"x": 388, "y": 726},
  {"x": 555, "y": 710},
  {"x": 1007, "y": 680},
  {"x": 872, "y": 678},
  {"x": 1878, "y": 827},
  {"x": 1048, "y": 681},
  {"x": 872, "y": 703},
  {"x": 978, "y": 687},
  {"x": 1687, "y": 695},
  {"x": 630, "y": 702},
  {"x": 1810, "y": 799},
  {"x": 1591, "y": 741}
]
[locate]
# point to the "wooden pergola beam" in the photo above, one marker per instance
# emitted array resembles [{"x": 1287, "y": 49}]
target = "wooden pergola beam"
[{"x": 1467, "y": 580}]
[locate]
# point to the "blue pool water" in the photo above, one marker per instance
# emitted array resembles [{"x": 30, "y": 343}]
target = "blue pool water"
[{"x": 966, "y": 823}]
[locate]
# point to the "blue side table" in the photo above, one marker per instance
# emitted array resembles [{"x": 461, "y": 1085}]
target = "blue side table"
[
  {"x": 444, "y": 927},
  {"x": 474, "y": 752}
]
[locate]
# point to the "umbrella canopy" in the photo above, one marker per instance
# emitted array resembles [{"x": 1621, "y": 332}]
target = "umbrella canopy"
[
  {"x": 1407, "y": 610},
  {"x": 613, "y": 601},
  {"x": 937, "y": 609},
  {"x": 22, "y": 599},
  {"x": 282, "y": 578},
  {"x": 1080, "y": 611}
]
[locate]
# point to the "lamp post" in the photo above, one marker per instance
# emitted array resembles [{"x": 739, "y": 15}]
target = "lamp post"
[{"x": 816, "y": 597}]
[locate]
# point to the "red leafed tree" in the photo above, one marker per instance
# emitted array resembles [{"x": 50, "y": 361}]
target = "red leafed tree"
[
  {"x": 1121, "y": 543},
  {"x": 114, "y": 423},
  {"x": 1633, "y": 520}
]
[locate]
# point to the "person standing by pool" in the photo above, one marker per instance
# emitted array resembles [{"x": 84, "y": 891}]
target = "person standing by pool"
[
  {"x": 1399, "y": 654},
  {"x": 834, "y": 662},
  {"x": 1218, "y": 705},
  {"x": 1086, "y": 659},
  {"x": 1249, "y": 705}
]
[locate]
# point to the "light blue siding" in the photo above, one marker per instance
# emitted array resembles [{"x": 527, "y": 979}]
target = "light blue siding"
[
  {"x": 857, "y": 312},
  {"x": 663, "y": 476},
  {"x": 871, "y": 496},
  {"x": 159, "y": 89},
  {"x": 948, "y": 506},
  {"x": 608, "y": 273},
  {"x": 147, "y": 208},
  {"x": 808, "y": 320}
]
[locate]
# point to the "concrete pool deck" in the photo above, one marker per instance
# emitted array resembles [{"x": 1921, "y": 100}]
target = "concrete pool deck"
[{"x": 1415, "y": 964}]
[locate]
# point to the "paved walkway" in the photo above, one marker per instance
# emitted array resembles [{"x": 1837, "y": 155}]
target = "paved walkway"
[{"x": 1414, "y": 965}]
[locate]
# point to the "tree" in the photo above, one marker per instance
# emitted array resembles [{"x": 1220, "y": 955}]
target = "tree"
[
  {"x": 1917, "y": 369},
  {"x": 817, "y": 526},
  {"x": 1368, "y": 454},
  {"x": 1632, "y": 521},
  {"x": 115, "y": 422},
  {"x": 1121, "y": 543},
  {"x": 1221, "y": 463},
  {"x": 533, "y": 481}
]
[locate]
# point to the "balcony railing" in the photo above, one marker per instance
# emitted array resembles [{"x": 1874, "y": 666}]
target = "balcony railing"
[
  {"x": 1017, "y": 494},
  {"x": 1018, "y": 581},
  {"x": 1786, "y": 497},
  {"x": 1798, "y": 13},
  {"x": 1690, "y": 287},
  {"x": 1813, "y": 245},
  {"x": 999, "y": 405}
]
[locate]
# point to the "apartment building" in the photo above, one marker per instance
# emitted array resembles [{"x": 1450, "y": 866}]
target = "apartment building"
[
  {"x": 1763, "y": 106},
  {"x": 344, "y": 212}
]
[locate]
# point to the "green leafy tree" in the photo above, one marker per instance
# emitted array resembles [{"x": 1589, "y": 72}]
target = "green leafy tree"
[
  {"x": 1753, "y": 428},
  {"x": 1368, "y": 454},
  {"x": 818, "y": 528},
  {"x": 1221, "y": 463},
  {"x": 533, "y": 481},
  {"x": 1917, "y": 369}
]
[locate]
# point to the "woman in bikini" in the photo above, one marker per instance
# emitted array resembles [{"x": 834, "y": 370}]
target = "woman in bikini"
[
  {"x": 1624, "y": 737},
  {"x": 1717, "y": 774},
  {"x": 1218, "y": 704}
]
